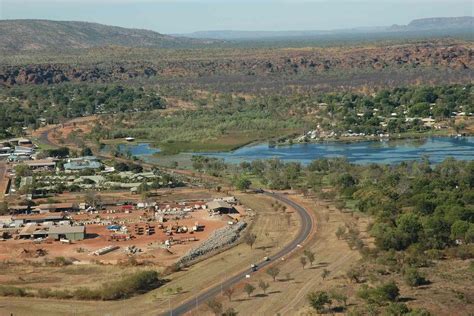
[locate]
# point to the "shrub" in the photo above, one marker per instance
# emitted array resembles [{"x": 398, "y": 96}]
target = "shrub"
[
  {"x": 87, "y": 294},
  {"x": 396, "y": 309},
  {"x": 137, "y": 283},
  {"x": 61, "y": 261},
  {"x": 6, "y": 290},
  {"x": 463, "y": 252},
  {"x": 414, "y": 278}
]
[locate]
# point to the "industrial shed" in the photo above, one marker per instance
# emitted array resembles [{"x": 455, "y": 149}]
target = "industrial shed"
[
  {"x": 72, "y": 233},
  {"x": 220, "y": 207}
]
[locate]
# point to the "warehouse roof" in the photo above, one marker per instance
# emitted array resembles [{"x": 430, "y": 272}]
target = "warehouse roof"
[
  {"x": 215, "y": 205},
  {"x": 66, "y": 229}
]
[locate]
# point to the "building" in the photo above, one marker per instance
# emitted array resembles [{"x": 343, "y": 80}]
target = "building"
[
  {"x": 68, "y": 232},
  {"x": 220, "y": 207},
  {"x": 38, "y": 218},
  {"x": 72, "y": 233},
  {"x": 82, "y": 163},
  {"x": 33, "y": 231},
  {"x": 18, "y": 209},
  {"x": 41, "y": 164},
  {"x": 57, "y": 207}
]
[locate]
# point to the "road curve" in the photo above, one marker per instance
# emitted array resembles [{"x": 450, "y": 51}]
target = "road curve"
[{"x": 305, "y": 230}]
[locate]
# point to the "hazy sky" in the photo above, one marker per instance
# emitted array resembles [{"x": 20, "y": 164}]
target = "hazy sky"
[{"x": 180, "y": 16}]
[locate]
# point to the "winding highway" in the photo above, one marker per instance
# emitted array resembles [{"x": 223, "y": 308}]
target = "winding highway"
[{"x": 304, "y": 232}]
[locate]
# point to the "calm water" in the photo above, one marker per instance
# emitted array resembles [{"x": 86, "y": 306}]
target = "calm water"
[
  {"x": 387, "y": 152},
  {"x": 138, "y": 149}
]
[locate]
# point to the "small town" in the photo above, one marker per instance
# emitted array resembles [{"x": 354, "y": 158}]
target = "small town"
[{"x": 130, "y": 221}]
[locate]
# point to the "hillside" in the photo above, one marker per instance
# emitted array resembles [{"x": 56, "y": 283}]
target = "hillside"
[
  {"x": 441, "y": 25},
  {"x": 462, "y": 22},
  {"x": 21, "y": 35}
]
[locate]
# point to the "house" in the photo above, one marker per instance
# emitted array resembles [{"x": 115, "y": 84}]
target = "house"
[
  {"x": 41, "y": 164},
  {"x": 428, "y": 122},
  {"x": 24, "y": 142},
  {"x": 220, "y": 207},
  {"x": 82, "y": 163}
]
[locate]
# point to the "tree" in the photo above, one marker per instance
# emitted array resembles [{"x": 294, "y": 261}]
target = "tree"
[
  {"x": 3, "y": 208},
  {"x": 388, "y": 292},
  {"x": 318, "y": 300},
  {"x": 229, "y": 292},
  {"x": 459, "y": 229},
  {"x": 86, "y": 151},
  {"x": 215, "y": 306},
  {"x": 273, "y": 272},
  {"x": 303, "y": 261},
  {"x": 22, "y": 170},
  {"x": 249, "y": 288},
  {"x": 310, "y": 255},
  {"x": 250, "y": 239},
  {"x": 263, "y": 286},
  {"x": 92, "y": 198},
  {"x": 243, "y": 184},
  {"x": 325, "y": 274}
]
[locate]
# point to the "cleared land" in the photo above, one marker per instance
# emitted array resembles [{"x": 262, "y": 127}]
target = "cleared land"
[{"x": 273, "y": 230}]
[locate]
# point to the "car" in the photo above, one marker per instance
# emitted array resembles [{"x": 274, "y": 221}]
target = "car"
[
  {"x": 254, "y": 267},
  {"x": 266, "y": 258}
]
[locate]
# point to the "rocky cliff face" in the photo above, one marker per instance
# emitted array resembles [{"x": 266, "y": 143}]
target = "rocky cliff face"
[{"x": 281, "y": 63}]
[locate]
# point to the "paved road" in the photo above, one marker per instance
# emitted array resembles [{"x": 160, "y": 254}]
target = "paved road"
[{"x": 305, "y": 230}]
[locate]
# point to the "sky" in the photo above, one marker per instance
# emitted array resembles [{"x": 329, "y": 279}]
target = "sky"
[{"x": 184, "y": 16}]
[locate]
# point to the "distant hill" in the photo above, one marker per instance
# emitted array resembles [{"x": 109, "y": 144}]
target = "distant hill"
[
  {"x": 443, "y": 26},
  {"x": 462, "y": 22},
  {"x": 19, "y": 35}
]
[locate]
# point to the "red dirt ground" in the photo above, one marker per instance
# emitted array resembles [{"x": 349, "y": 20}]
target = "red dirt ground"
[{"x": 151, "y": 245}]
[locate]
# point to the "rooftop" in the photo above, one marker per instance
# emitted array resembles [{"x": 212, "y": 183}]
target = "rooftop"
[
  {"x": 64, "y": 229},
  {"x": 213, "y": 205},
  {"x": 55, "y": 206}
]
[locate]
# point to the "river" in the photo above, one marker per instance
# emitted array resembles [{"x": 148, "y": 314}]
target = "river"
[{"x": 363, "y": 152}]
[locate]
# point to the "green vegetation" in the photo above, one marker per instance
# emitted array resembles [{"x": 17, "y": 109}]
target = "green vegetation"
[
  {"x": 33, "y": 105},
  {"x": 135, "y": 284},
  {"x": 319, "y": 300},
  {"x": 388, "y": 292},
  {"x": 228, "y": 122},
  {"x": 414, "y": 204}
]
